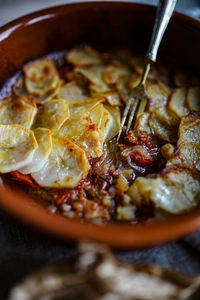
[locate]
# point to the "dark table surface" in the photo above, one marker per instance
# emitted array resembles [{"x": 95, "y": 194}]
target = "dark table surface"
[{"x": 23, "y": 250}]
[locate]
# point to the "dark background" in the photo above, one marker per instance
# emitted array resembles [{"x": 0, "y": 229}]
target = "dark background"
[{"x": 11, "y": 9}]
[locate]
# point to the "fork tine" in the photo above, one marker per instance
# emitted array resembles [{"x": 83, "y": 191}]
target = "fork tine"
[
  {"x": 142, "y": 107},
  {"x": 128, "y": 105},
  {"x": 131, "y": 116},
  {"x": 137, "y": 94}
]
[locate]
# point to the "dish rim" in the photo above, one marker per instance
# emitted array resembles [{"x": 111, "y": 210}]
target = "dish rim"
[{"x": 117, "y": 235}]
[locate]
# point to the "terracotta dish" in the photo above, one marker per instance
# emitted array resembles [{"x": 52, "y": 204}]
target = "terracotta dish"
[{"x": 103, "y": 25}]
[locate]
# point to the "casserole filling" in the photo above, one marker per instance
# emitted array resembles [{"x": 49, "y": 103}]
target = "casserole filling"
[{"x": 58, "y": 130}]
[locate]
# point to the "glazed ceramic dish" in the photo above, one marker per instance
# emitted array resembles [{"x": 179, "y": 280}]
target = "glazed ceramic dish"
[{"x": 104, "y": 26}]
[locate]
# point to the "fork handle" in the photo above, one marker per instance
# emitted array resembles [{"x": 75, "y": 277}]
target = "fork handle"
[{"x": 163, "y": 14}]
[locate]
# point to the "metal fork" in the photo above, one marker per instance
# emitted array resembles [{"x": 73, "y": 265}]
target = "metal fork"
[{"x": 137, "y": 100}]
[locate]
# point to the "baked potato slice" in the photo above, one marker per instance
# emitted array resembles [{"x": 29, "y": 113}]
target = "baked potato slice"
[
  {"x": 41, "y": 154},
  {"x": 17, "y": 147},
  {"x": 142, "y": 124},
  {"x": 187, "y": 154},
  {"x": 164, "y": 124},
  {"x": 79, "y": 109},
  {"x": 52, "y": 115},
  {"x": 72, "y": 92},
  {"x": 114, "y": 112},
  {"x": 189, "y": 129},
  {"x": 93, "y": 78},
  {"x": 182, "y": 190},
  {"x": 177, "y": 102},
  {"x": 107, "y": 124},
  {"x": 41, "y": 87},
  {"x": 67, "y": 164},
  {"x": 74, "y": 128},
  {"x": 175, "y": 190},
  {"x": 157, "y": 93},
  {"x": 83, "y": 56},
  {"x": 18, "y": 111},
  {"x": 113, "y": 98},
  {"x": 193, "y": 98},
  {"x": 117, "y": 75},
  {"x": 41, "y": 77},
  {"x": 96, "y": 114},
  {"x": 40, "y": 69},
  {"x": 19, "y": 90}
]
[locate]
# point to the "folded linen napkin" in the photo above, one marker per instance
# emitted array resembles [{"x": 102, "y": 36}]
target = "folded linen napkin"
[{"x": 95, "y": 274}]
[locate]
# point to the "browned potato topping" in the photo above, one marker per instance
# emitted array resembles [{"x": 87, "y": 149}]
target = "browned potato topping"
[{"x": 58, "y": 131}]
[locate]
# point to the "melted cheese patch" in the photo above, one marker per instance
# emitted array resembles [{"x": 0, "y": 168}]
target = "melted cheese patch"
[
  {"x": 20, "y": 111},
  {"x": 17, "y": 147},
  {"x": 41, "y": 154},
  {"x": 67, "y": 164}
]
